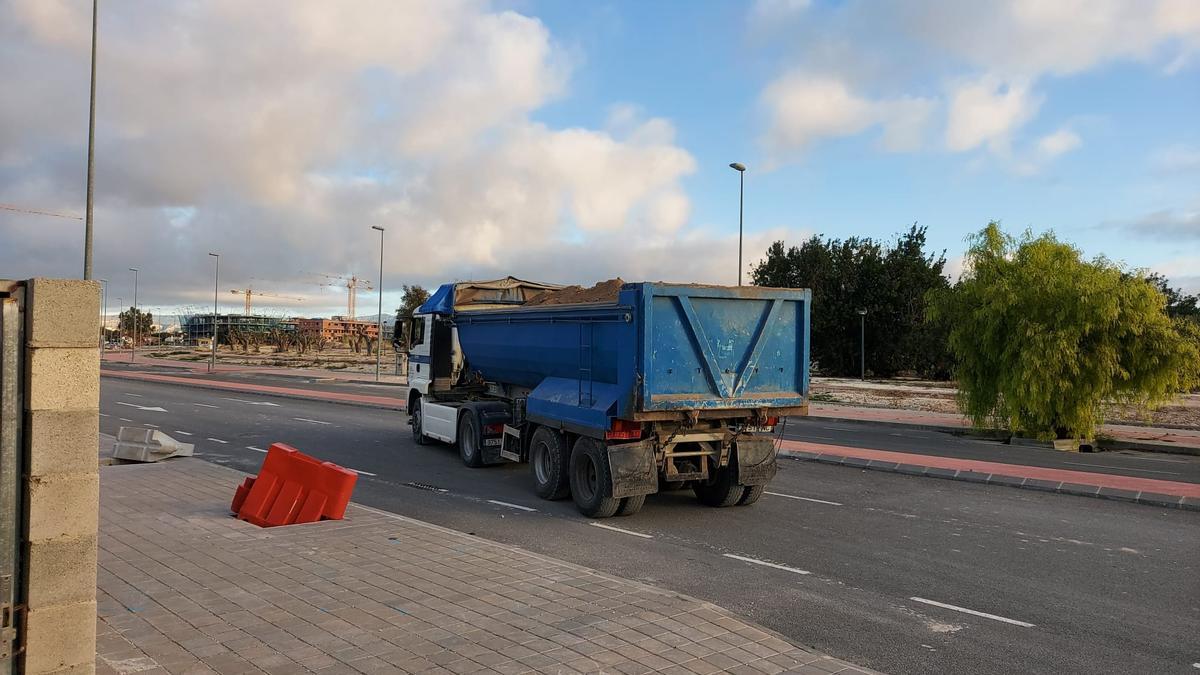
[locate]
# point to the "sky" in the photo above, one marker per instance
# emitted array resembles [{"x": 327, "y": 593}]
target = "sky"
[{"x": 575, "y": 142}]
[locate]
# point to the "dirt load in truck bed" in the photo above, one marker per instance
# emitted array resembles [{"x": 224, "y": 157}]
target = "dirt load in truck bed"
[{"x": 603, "y": 292}]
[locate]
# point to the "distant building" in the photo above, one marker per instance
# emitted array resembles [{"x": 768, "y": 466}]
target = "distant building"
[
  {"x": 336, "y": 328},
  {"x": 197, "y": 327}
]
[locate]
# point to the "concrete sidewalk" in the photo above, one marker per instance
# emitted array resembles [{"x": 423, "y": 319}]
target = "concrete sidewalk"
[{"x": 185, "y": 588}]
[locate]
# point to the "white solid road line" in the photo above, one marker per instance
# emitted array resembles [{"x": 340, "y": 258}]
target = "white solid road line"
[
  {"x": 764, "y": 563},
  {"x": 511, "y": 506},
  {"x": 617, "y": 529},
  {"x": 242, "y": 400},
  {"x": 217, "y": 440},
  {"x": 133, "y": 395},
  {"x": 807, "y": 499},
  {"x": 251, "y": 447},
  {"x": 205, "y": 405},
  {"x": 964, "y": 610},
  {"x": 185, "y": 433},
  {"x": 305, "y": 419}
]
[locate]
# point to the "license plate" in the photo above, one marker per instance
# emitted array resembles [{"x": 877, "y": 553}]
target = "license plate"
[
  {"x": 758, "y": 430},
  {"x": 492, "y": 441}
]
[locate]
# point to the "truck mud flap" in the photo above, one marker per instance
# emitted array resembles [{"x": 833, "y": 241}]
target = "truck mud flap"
[
  {"x": 633, "y": 469},
  {"x": 755, "y": 460}
]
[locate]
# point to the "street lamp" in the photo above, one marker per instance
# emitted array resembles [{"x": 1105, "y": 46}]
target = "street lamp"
[
  {"x": 212, "y": 366},
  {"x": 120, "y": 303},
  {"x": 741, "y": 169},
  {"x": 133, "y": 348},
  {"x": 87, "y": 225},
  {"x": 862, "y": 341},
  {"x": 379, "y": 317},
  {"x": 103, "y": 313}
]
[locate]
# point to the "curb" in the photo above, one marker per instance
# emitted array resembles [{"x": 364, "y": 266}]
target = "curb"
[
  {"x": 1077, "y": 489},
  {"x": 1105, "y": 442},
  {"x": 203, "y": 384}
]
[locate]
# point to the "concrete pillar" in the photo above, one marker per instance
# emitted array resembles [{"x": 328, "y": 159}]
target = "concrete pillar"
[{"x": 62, "y": 400}]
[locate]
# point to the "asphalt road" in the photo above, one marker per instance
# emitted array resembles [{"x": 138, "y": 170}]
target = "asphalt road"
[{"x": 858, "y": 564}]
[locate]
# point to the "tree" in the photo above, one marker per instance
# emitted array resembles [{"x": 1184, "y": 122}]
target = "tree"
[
  {"x": 144, "y": 322},
  {"x": 414, "y": 297},
  {"x": 1043, "y": 338},
  {"x": 1179, "y": 304},
  {"x": 890, "y": 282}
]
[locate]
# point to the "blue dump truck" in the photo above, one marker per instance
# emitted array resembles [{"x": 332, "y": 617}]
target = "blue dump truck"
[{"x": 614, "y": 392}]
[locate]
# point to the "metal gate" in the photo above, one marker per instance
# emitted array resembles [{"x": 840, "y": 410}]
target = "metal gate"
[{"x": 12, "y": 342}]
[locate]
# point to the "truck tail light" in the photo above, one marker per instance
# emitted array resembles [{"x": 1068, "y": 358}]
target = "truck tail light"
[
  {"x": 771, "y": 421},
  {"x": 493, "y": 428},
  {"x": 624, "y": 430}
]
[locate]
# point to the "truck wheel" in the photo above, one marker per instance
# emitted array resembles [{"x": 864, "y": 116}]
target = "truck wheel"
[
  {"x": 591, "y": 483},
  {"x": 631, "y": 505},
  {"x": 722, "y": 491},
  {"x": 468, "y": 440},
  {"x": 751, "y": 494},
  {"x": 550, "y": 462},
  {"x": 415, "y": 421}
]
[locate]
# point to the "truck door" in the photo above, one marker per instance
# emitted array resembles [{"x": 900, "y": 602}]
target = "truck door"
[{"x": 419, "y": 366}]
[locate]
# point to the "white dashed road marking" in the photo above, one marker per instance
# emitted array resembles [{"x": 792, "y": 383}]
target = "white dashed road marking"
[
  {"x": 305, "y": 419},
  {"x": 133, "y": 395},
  {"x": 764, "y": 563},
  {"x": 124, "y": 419},
  {"x": 149, "y": 408},
  {"x": 364, "y": 473},
  {"x": 972, "y": 612},
  {"x": 205, "y": 405},
  {"x": 807, "y": 499},
  {"x": 617, "y": 529},
  {"x": 217, "y": 440},
  {"x": 511, "y": 506},
  {"x": 103, "y": 414},
  {"x": 152, "y": 426},
  {"x": 184, "y": 433},
  {"x": 251, "y": 447}
]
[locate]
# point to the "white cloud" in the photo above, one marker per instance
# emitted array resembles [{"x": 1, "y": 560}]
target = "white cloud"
[
  {"x": 986, "y": 112},
  {"x": 1183, "y": 272},
  {"x": 284, "y": 129},
  {"x": 1058, "y": 143},
  {"x": 804, "y": 108}
]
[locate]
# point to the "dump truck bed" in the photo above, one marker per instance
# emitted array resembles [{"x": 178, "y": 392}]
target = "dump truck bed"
[{"x": 659, "y": 348}]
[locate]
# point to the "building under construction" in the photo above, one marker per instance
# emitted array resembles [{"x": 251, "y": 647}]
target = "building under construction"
[{"x": 197, "y": 327}]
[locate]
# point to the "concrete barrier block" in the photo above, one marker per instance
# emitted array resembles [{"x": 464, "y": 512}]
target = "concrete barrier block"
[
  {"x": 63, "y": 379},
  {"x": 63, "y": 505},
  {"x": 60, "y": 637},
  {"x": 63, "y": 313},
  {"x": 62, "y": 441},
  {"x": 61, "y": 571},
  {"x": 138, "y": 444}
]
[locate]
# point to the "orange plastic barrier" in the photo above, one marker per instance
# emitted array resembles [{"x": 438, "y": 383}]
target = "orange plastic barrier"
[{"x": 292, "y": 487}]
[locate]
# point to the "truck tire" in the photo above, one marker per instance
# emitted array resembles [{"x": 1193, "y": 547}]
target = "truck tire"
[
  {"x": 723, "y": 490},
  {"x": 415, "y": 421},
  {"x": 550, "y": 463},
  {"x": 468, "y": 440},
  {"x": 591, "y": 484},
  {"x": 751, "y": 494},
  {"x": 630, "y": 505}
]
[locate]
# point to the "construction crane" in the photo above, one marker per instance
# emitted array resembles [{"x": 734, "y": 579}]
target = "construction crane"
[
  {"x": 247, "y": 292},
  {"x": 352, "y": 284}
]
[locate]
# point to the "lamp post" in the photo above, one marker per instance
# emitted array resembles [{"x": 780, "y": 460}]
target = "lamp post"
[
  {"x": 862, "y": 342},
  {"x": 136, "y": 317},
  {"x": 87, "y": 225},
  {"x": 103, "y": 313},
  {"x": 212, "y": 365},
  {"x": 120, "y": 303},
  {"x": 379, "y": 316},
  {"x": 741, "y": 169}
]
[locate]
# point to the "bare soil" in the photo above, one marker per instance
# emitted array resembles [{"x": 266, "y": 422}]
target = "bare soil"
[
  {"x": 339, "y": 358},
  {"x": 603, "y": 292},
  {"x": 940, "y": 397}
]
